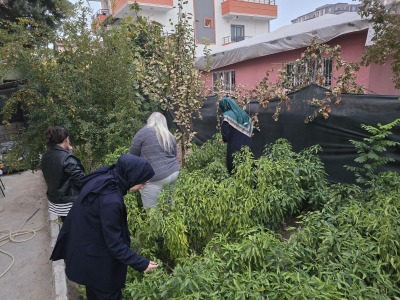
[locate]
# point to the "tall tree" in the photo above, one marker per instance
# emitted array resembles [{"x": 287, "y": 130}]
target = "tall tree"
[
  {"x": 44, "y": 12},
  {"x": 173, "y": 79},
  {"x": 89, "y": 87}
]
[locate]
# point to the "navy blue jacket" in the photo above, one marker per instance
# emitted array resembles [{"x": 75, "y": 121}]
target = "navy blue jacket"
[
  {"x": 235, "y": 140},
  {"x": 95, "y": 243}
]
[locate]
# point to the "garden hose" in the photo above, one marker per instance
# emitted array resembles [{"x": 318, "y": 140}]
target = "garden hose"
[{"x": 10, "y": 237}]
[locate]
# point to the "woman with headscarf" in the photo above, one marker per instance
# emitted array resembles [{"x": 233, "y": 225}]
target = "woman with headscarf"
[
  {"x": 94, "y": 240},
  {"x": 236, "y": 129}
]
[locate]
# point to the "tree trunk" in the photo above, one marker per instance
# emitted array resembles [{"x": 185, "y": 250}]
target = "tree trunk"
[{"x": 183, "y": 146}]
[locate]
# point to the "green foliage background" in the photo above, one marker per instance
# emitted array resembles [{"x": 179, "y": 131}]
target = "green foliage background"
[{"x": 91, "y": 87}]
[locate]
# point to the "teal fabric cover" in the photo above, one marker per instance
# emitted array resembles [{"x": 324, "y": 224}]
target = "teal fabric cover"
[{"x": 233, "y": 111}]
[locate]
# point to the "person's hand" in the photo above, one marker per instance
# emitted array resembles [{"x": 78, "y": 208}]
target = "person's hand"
[
  {"x": 221, "y": 141},
  {"x": 69, "y": 148},
  {"x": 152, "y": 266}
]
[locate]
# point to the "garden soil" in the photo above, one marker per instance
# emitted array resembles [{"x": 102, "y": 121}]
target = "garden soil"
[{"x": 31, "y": 276}]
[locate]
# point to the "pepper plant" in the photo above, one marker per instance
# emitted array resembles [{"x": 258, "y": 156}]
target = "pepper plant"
[{"x": 216, "y": 239}]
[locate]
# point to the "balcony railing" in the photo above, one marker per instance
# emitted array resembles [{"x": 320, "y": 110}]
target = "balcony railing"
[
  {"x": 270, "y": 2},
  {"x": 235, "y": 39},
  {"x": 101, "y": 12},
  {"x": 157, "y": 5},
  {"x": 264, "y": 9}
]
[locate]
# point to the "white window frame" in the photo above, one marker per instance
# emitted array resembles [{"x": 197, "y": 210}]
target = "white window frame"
[
  {"x": 326, "y": 69},
  {"x": 228, "y": 80}
]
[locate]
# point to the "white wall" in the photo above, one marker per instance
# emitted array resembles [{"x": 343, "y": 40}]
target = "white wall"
[
  {"x": 163, "y": 17},
  {"x": 252, "y": 27},
  {"x": 222, "y": 25}
]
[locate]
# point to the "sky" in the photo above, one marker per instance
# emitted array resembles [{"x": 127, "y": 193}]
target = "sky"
[{"x": 287, "y": 9}]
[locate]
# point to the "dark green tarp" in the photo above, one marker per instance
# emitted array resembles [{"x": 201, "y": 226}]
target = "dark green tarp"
[{"x": 332, "y": 135}]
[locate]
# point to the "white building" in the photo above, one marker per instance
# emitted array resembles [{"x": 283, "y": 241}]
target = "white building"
[
  {"x": 221, "y": 21},
  {"x": 334, "y": 9}
]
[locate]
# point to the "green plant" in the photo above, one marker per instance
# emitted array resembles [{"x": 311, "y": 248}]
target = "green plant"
[
  {"x": 207, "y": 201},
  {"x": 172, "y": 77},
  {"x": 370, "y": 147},
  {"x": 47, "y": 13},
  {"x": 91, "y": 87},
  {"x": 386, "y": 44},
  {"x": 82, "y": 291},
  {"x": 215, "y": 240},
  {"x": 211, "y": 151},
  {"x": 112, "y": 158}
]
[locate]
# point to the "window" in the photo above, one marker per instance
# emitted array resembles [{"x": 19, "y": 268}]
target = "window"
[
  {"x": 208, "y": 23},
  {"x": 237, "y": 33},
  {"x": 327, "y": 70},
  {"x": 228, "y": 80},
  {"x": 297, "y": 74}
]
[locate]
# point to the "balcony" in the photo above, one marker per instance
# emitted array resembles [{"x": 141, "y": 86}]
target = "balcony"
[
  {"x": 101, "y": 15},
  {"x": 234, "y": 39},
  {"x": 122, "y": 8},
  {"x": 250, "y": 9}
]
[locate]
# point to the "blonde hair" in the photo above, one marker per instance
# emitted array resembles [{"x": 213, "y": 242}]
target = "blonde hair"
[{"x": 164, "y": 137}]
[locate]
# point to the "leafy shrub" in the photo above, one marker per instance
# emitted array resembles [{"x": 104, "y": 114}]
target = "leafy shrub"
[
  {"x": 211, "y": 151},
  {"x": 112, "y": 158},
  {"x": 93, "y": 87},
  {"x": 344, "y": 251},
  {"x": 208, "y": 201},
  {"x": 215, "y": 240},
  {"x": 369, "y": 149}
]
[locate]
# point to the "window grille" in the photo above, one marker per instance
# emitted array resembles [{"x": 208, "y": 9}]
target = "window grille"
[
  {"x": 300, "y": 73},
  {"x": 228, "y": 80}
]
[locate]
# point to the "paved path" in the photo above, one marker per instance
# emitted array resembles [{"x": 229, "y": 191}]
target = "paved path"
[{"x": 31, "y": 276}]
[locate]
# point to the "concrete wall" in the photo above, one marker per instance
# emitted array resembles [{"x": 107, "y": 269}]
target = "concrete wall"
[
  {"x": 204, "y": 9},
  {"x": 5, "y": 131},
  {"x": 201, "y": 9},
  {"x": 375, "y": 77},
  {"x": 164, "y": 17},
  {"x": 379, "y": 79}
]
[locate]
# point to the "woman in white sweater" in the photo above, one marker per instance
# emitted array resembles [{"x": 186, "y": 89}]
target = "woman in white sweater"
[{"x": 155, "y": 143}]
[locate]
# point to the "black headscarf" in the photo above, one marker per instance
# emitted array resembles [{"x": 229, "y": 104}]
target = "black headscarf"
[{"x": 129, "y": 171}]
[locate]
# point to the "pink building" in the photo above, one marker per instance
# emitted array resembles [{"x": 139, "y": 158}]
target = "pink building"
[{"x": 246, "y": 62}]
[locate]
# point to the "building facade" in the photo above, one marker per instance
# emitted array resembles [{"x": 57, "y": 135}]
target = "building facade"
[
  {"x": 222, "y": 22},
  {"x": 246, "y": 63},
  {"x": 389, "y": 3},
  {"x": 334, "y": 9}
]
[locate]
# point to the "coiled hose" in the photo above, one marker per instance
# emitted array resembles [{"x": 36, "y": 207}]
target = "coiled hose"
[{"x": 10, "y": 237}]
